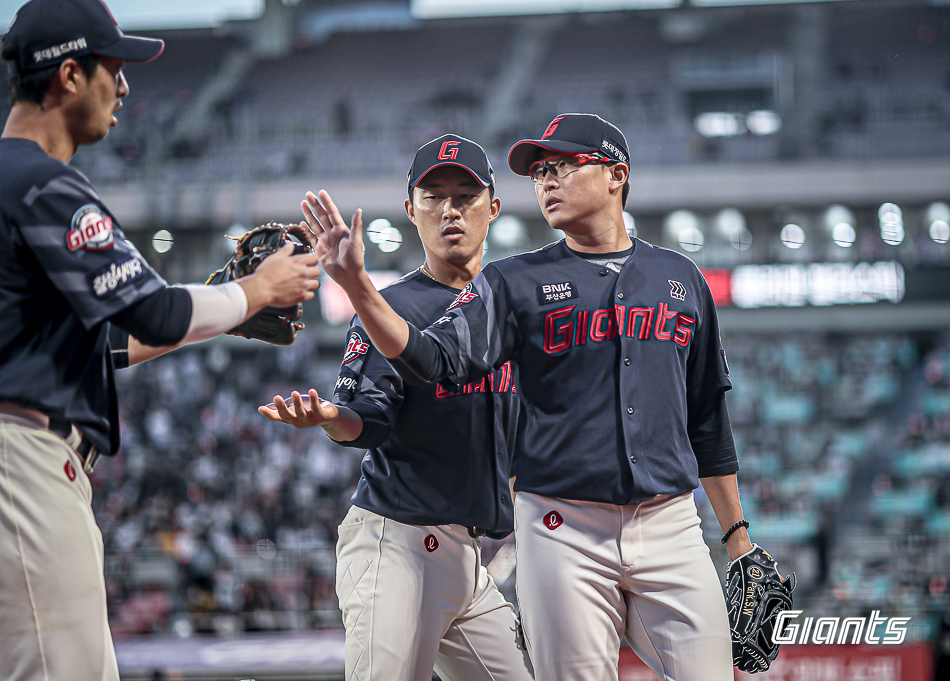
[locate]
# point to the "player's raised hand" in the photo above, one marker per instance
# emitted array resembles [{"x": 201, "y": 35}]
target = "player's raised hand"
[
  {"x": 303, "y": 411},
  {"x": 339, "y": 247}
]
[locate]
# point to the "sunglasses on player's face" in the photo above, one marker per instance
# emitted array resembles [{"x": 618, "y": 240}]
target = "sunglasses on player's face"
[{"x": 562, "y": 166}]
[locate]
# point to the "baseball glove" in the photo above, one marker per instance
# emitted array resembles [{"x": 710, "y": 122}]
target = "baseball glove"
[
  {"x": 755, "y": 595},
  {"x": 277, "y": 325}
]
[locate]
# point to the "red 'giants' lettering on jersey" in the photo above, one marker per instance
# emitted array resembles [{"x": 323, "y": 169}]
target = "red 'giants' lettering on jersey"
[
  {"x": 565, "y": 328},
  {"x": 498, "y": 382}
]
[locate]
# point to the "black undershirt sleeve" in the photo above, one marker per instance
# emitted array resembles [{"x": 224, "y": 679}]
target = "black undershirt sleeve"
[
  {"x": 423, "y": 360},
  {"x": 710, "y": 434},
  {"x": 161, "y": 318},
  {"x": 119, "y": 347}
]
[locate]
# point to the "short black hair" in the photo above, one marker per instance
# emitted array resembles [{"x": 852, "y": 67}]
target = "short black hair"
[
  {"x": 491, "y": 192},
  {"x": 32, "y": 86}
]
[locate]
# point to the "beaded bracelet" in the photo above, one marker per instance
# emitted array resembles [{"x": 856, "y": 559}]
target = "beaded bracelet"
[{"x": 742, "y": 523}]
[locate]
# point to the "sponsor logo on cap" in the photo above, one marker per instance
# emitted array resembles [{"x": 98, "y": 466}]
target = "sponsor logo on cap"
[
  {"x": 449, "y": 150},
  {"x": 91, "y": 230},
  {"x": 57, "y": 51},
  {"x": 612, "y": 148}
]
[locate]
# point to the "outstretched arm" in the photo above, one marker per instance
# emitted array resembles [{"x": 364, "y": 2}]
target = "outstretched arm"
[
  {"x": 307, "y": 411},
  {"x": 340, "y": 251}
]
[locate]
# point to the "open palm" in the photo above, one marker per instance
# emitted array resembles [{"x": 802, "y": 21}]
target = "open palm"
[{"x": 339, "y": 247}]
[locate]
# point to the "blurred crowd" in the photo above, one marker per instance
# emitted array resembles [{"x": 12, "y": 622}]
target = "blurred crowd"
[{"x": 217, "y": 520}]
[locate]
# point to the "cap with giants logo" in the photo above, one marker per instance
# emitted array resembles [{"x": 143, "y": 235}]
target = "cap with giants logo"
[
  {"x": 572, "y": 133},
  {"x": 451, "y": 150},
  {"x": 47, "y": 32}
]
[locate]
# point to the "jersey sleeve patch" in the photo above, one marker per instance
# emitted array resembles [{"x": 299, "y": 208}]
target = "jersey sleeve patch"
[
  {"x": 117, "y": 275},
  {"x": 466, "y": 296},
  {"x": 356, "y": 346},
  {"x": 90, "y": 230},
  {"x": 555, "y": 293}
]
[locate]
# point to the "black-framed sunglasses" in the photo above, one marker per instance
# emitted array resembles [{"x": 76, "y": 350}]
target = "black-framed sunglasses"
[{"x": 562, "y": 166}]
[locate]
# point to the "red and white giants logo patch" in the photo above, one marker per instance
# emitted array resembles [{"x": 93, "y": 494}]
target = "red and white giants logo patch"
[
  {"x": 90, "y": 230},
  {"x": 431, "y": 543},
  {"x": 466, "y": 296},
  {"x": 553, "y": 520},
  {"x": 356, "y": 346}
]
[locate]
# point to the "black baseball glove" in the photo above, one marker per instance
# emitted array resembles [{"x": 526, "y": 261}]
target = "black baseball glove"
[
  {"x": 755, "y": 595},
  {"x": 277, "y": 325}
]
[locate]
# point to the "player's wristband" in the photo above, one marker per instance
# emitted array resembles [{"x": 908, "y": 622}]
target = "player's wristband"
[
  {"x": 742, "y": 523},
  {"x": 215, "y": 310}
]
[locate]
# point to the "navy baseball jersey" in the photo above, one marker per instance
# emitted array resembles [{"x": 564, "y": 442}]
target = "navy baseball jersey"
[
  {"x": 438, "y": 453},
  {"x": 621, "y": 374},
  {"x": 65, "y": 268}
]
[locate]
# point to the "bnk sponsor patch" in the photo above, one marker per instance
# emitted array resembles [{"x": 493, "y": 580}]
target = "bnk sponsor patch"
[
  {"x": 356, "y": 346},
  {"x": 116, "y": 275},
  {"x": 90, "y": 230},
  {"x": 555, "y": 293}
]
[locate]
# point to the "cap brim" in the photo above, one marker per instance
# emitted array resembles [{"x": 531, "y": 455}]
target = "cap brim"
[
  {"x": 522, "y": 154},
  {"x": 134, "y": 48},
  {"x": 481, "y": 180}
]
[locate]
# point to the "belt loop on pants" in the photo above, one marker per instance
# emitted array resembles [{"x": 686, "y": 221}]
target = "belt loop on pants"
[{"x": 88, "y": 454}]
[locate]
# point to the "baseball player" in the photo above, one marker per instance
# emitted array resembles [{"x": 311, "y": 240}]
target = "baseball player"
[
  {"x": 411, "y": 585},
  {"x": 72, "y": 289},
  {"x": 622, "y": 378}
]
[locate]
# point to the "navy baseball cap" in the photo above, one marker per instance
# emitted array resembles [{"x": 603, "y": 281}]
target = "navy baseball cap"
[
  {"x": 47, "y": 32},
  {"x": 571, "y": 133},
  {"x": 451, "y": 150}
]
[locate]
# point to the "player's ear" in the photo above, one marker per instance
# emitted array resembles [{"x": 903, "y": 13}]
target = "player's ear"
[
  {"x": 410, "y": 212},
  {"x": 495, "y": 209},
  {"x": 69, "y": 75},
  {"x": 618, "y": 174}
]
